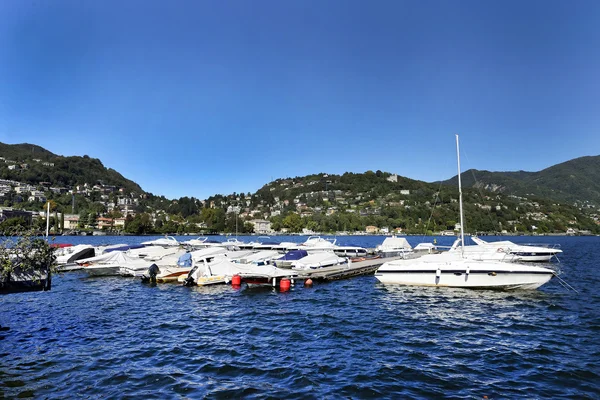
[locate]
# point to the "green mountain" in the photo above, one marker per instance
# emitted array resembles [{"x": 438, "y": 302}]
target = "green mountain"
[
  {"x": 577, "y": 180},
  {"x": 534, "y": 202},
  {"x": 58, "y": 170},
  {"x": 25, "y": 151}
]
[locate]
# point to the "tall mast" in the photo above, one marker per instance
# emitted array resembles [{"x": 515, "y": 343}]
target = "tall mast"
[{"x": 460, "y": 202}]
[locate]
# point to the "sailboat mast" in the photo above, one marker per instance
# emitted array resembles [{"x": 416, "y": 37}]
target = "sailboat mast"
[{"x": 460, "y": 202}]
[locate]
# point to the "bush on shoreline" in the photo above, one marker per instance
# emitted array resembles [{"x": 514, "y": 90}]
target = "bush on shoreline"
[{"x": 25, "y": 255}]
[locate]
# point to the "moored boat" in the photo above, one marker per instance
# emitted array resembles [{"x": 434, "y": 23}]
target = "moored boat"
[{"x": 453, "y": 269}]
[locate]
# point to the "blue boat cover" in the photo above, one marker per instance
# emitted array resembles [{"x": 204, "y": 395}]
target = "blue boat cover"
[
  {"x": 185, "y": 260},
  {"x": 294, "y": 255},
  {"x": 124, "y": 247}
]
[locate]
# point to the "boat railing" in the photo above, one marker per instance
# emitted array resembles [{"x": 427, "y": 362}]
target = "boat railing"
[{"x": 544, "y": 245}]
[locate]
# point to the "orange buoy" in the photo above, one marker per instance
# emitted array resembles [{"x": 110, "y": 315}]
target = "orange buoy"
[
  {"x": 236, "y": 280},
  {"x": 285, "y": 284},
  {"x": 308, "y": 282}
]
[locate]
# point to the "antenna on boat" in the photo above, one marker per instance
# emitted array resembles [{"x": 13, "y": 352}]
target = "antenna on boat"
[{"x": 460, "y": 202}]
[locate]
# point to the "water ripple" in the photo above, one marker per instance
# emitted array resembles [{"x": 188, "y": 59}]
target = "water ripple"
[{"x": 116, "y": 338}]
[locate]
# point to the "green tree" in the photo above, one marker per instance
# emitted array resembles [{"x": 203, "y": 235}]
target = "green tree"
[{"x": 293, "y": 222}]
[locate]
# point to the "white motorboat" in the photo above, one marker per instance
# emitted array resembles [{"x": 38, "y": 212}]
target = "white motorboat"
[
  {"x": 198, "y": 242},
  {"x": 222, "y": 268},
  {"x": 138, "y": 269},
  {"x": 350, "y": 251},
  {"x": 259, "y": 258},
  {"x": 288, "y": 258},
  {"x": 167, "y": 241},
  {"x": 153, "y": 252},
  {"x": 393, "y": 247},
  {"x": 116, "y": 247},
  {"x": 69, "y": 255},
  {"x": 317, "y": 243},
  {"x": 203, "y": 242},
  {"x": 233, "y": 243},
  {"x": 258, "y": 243},
  {"x": 167, "y": 272},
  {"x": 523, "y": 252},
  {"x": 453, "y": 269},
  {"x": 110, "y": 264},
  {"x": 284, "y": 247},
  {"x": 318, "y": 260},
  {"x": 482, "y": 253}
]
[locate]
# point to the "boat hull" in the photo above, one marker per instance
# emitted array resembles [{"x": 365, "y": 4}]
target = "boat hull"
[
  {"x": 103, "y": 270},
  {"x": 500, "y": 280},
  {"x": 534, "y": 258},
  {"x": 212, "y": 280}
]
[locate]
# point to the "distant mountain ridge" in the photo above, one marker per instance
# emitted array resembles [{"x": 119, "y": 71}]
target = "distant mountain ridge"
[
  {"x": 45, "y": 166},
  {"x": 576, "y": 180}
]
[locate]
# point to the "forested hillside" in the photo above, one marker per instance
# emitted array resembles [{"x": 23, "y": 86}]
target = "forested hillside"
[
  {"x": 33, "y": 165},
  {"x": 510, "y": 202},
  {"x": 577, "y": 180}
]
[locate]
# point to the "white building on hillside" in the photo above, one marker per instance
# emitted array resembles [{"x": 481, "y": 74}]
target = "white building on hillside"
[{"x": 261, "y": 226}]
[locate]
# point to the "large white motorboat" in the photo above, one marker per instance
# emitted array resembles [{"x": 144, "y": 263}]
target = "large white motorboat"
[
  {"x": 453, "y": 269},
  {"x": 523, "y": 252}
]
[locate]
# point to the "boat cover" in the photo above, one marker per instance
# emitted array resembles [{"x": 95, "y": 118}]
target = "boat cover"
[
  {"x": 394, "y": 243},
  {"x": 318, "y": 260},
  {"x": 294, "y": 255},
  {"x": 185, "y": 260}
]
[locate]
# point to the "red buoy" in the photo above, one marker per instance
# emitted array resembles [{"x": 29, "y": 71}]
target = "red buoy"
[
  {"x": 308, "y": 282},
  {"x": 236, "y": 280},
  {"x": 285, "y": 284}
]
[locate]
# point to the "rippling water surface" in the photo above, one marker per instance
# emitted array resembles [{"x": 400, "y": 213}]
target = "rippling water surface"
[{"x": 117, "y": 338}]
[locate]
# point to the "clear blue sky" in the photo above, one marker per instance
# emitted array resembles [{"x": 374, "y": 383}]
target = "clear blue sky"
[{"x": 203, "y": 97}]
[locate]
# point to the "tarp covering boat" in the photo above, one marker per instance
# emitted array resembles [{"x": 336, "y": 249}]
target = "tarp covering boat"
[
  {"x": 185, "y": 260},
  {"x": 318, "y": 260},
  {"x": 294, "y": 255}
]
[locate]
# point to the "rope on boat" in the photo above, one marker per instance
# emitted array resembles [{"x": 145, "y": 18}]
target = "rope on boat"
[{"x": 564, "y": 283}]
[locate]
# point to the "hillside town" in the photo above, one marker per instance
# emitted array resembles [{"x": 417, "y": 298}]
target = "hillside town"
[{"x": 302, "y": 205}]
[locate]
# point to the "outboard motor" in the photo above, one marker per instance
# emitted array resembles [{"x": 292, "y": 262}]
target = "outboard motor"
[
  {"x": 189, "y": 280},
  {"x": 153, "y": 270}
]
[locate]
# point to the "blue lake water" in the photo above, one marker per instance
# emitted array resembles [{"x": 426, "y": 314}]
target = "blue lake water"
[{"x": 118, "y": 338}]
